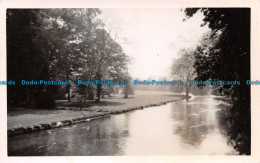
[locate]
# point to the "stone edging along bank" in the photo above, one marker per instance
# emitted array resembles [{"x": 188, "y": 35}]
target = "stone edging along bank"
[{"x": 52, "y": 125}]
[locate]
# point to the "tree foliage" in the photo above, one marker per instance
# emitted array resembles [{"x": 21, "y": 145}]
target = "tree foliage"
[
  {"x": 224, "y": 54},
  {"x": 183, "y": 69},
  {"x": 59, "y": 44}
]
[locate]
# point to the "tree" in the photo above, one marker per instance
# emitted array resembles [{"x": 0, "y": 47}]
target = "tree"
[
  {"x": 228, "y": 58},
  {"x": 110, "y": 62},
  {"x": 59, "y": 44},
  {"x": 25, "y": 61},
  {"x": 72, "y": 32},
  {"x": 128, "y": 88},
  {"x": 183, "y": 68}
]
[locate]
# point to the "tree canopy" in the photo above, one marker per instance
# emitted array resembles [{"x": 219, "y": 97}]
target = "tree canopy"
[
  {"x": 183, "y": 69},
  {"x": 224, "y": 54},
  {"x": 59, "y": 44}
]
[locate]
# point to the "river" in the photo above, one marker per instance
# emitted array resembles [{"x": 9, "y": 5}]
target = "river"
[{"x": 189, "y": 127}]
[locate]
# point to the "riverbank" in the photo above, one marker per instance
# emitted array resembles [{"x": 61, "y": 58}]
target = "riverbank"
[{"x": 31, "y": 120}]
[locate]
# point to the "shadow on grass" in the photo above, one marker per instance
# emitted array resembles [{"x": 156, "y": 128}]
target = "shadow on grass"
[
  {"x": 88, "y": 104},
  {"x": 180, "y": 96}
]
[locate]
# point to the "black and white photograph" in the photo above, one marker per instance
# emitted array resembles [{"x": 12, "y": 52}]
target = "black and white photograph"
[{"x": 99, "y": 81}]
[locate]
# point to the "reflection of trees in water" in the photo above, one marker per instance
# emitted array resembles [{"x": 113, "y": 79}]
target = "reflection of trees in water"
[
  {"x": 94, "y": 138},
  {"x": 236, "y": 125},
  {"x": 21, "y": 145},
  {"x": 193, "y": 123},
  {"x": 224, "y": 125},
  {"x": 106, "y": 137}
]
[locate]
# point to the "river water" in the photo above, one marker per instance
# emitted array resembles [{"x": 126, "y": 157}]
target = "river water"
[{"x": 189, "y": 127}]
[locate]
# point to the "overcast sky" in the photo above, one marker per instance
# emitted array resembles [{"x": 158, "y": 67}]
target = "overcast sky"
[{"x": 152, "y": 37}]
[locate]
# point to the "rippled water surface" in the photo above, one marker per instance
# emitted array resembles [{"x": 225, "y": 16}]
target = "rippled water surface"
[{"x": 190, "y": 127}]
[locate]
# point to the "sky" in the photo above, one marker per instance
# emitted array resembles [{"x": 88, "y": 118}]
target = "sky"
[{"x": 152, "y": 37}]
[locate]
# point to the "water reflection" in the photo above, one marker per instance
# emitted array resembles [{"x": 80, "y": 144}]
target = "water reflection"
[
  {"x": 195, "y": 120},
  {"x": 180, "y": 128},
  {"x": 105, "y": 137},
  {"x": 199, "y": 126}
]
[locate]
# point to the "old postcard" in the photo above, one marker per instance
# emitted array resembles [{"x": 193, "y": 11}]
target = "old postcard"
[{"x": 149, "y": 81}]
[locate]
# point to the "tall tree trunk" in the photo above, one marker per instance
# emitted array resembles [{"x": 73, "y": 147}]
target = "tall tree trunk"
[
  {"x": 90, "y": 93},
  {"x": 99, "y": 75},
  {"x": 98, "y": 87},
  {"x": 116, "y": 90},
  {"x": 98, "y": 92},
  {"x": 68, "y": 86},
  {"x": 126, "y": 91},
  {"x": 187, "y": 87}
]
